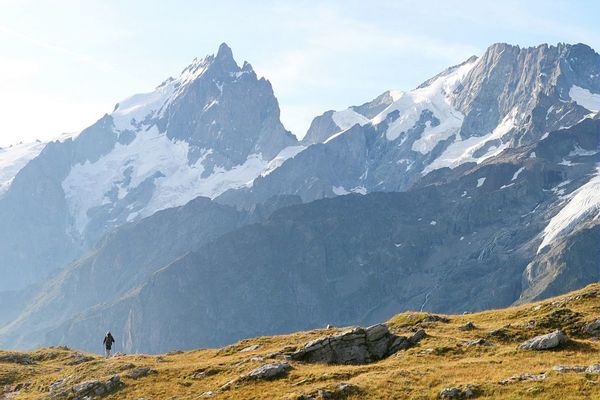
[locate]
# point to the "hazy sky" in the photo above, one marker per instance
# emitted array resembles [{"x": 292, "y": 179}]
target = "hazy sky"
[{"x": 63, "y": 64}]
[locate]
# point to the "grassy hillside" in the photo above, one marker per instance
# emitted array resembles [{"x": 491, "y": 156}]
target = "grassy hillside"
[{"x": 443, "y": 359}]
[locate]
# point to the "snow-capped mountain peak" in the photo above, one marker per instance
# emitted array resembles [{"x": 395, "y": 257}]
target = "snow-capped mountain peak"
[{"x": 215, "y": 127}]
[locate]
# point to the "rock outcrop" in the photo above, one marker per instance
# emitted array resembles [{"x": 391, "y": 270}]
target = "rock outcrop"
[
  {"x": 523, "y": 377},
  {"x": 467, "y": 392},
  {"x": 17, "y": 358},
  {"x": 90, "y": 389},
  {"x": 545, "y": 342},
  {"x": 356, "y": 346},
  {"x": 593, "y": 328},
  {"x": 339, "y": 392},
  {"x": 140, "y": 372},
  {"x": 268, "y": 371}
]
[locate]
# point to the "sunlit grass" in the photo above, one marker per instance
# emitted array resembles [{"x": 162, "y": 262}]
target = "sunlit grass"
[{"x": 441, "y": 360}]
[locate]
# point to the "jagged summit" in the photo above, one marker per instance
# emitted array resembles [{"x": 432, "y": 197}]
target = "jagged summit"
[{"x": 214, "y": 127}]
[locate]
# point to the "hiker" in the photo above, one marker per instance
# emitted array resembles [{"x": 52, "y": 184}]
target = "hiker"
[{"x": 108, "y": 342}]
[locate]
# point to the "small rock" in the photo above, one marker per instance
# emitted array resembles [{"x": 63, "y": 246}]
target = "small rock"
[
  {"x": 268, "y": 371},
  {"x": 500, "y": 334},
  {"x": 329, "y": 326},
  {"x": 545, "y": 342},
  {"x": 17, "y": 358},
  {"x": 204, "y": 373},
  {"x": 339, "y": 392},
  {"x": 561, "y": 369},
  {"x": 80, "y": 359},
  {"x": 467, "y": 392},
  {"x": 207, "y": 394},
  {"x": 478, "y": 342},
  {"x": 469, "y": 326},
  {"x": 140, "y": 372},
  {"x": 523, "y": 377},
  {"x": 435, "y": 318},
  {"x": 593, "y": 328},
  {"x": 250, "y": 348},
  {"x": 593, "y": 369}
]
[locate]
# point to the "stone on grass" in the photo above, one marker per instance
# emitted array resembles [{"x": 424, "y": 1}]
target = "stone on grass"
[
  {"x": 268, "y": 371},
  {"x": 140, "y": 372},
  {"x": 250, "y": 348},
  {"x": 356, "y": 346},
  {"x": 467, "y": 392},
  {"x": 545, "y": 342},
  {"x": 593, "y": 328},
  {"x": 469, "y": 326},
  {"x": 561, "y": 369},
  {"x": 523, "y": 377}
]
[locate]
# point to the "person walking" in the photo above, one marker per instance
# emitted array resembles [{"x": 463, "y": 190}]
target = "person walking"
[{"x": 108, "y": 342}]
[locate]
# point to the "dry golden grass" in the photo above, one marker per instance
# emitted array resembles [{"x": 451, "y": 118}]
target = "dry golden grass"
[{"x": 440, "y": 360}]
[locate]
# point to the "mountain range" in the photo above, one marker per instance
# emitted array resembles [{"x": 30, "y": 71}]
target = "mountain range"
[{"x": 189, "y": 216}]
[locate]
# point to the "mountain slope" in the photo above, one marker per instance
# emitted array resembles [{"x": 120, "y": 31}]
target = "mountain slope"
[
  {"x": 508, "y": 97},
  {"x": 120, "y": 262},
  {"x": 213, "y": 128},
  {"x": 483, "y": 359},
  {"x": 459, "y": 243}
]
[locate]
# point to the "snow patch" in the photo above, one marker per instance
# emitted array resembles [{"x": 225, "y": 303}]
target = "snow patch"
[
  {"x": 359, "y": 189},
  {"x": 151, "y": 155},
  {"x": 516, "y": 174},
  {"x": 347, "y": 118},
  {"x": 463, "y": 150},
  {"x": 436, "y": 97},
  {"x": 584, "y": 203},
  {"x": 481, "y": 181},
  {"x": 585, "y": 98},
  {"x": 285, "y": 154},
  {"x": 578, "y": 151},
  {"x": 339, "y": 190},
  {"x": 14, "y": 158}
]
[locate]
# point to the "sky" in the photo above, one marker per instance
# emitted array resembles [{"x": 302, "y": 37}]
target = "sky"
[{"x": 63, "y": 64}]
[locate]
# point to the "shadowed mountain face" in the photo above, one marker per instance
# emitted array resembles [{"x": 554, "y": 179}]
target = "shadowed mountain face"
[
  {"x": 177, "y": 220},
  {"x": 462, "y": 243}
]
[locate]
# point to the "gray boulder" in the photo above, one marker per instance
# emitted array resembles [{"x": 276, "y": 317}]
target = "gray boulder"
[
  {"x": 561, "y": 369},
  {"x": 593, "y": 328},
  {"x": 523, "y": 377},
  {"x": 80, "y": 359},
  {"x": 91, "y": 389},
  {"x": 545, "y": 342},
  {"x": 467, "y": 392},
  {"x": 16, "y": 358},
  {"x": 140, "y": 372},
  {"x": 268, "y": 371},
  {"x": 469, "y": 326},
  {"x": 593, "y": 369},
  {"x": 356, "y": 346}
]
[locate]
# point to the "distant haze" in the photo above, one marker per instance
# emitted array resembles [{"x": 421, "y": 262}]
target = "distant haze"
[{"x": 65, "y": 63}]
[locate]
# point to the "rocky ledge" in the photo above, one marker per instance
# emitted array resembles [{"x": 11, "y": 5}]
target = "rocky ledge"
[{"x": 356, "y": 346}]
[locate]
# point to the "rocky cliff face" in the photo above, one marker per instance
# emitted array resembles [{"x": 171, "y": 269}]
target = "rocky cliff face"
[
  {"x": 213, "y": 128},
  {"x": 357, "y": 259},
  {"x": 508, "y": 97}
]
